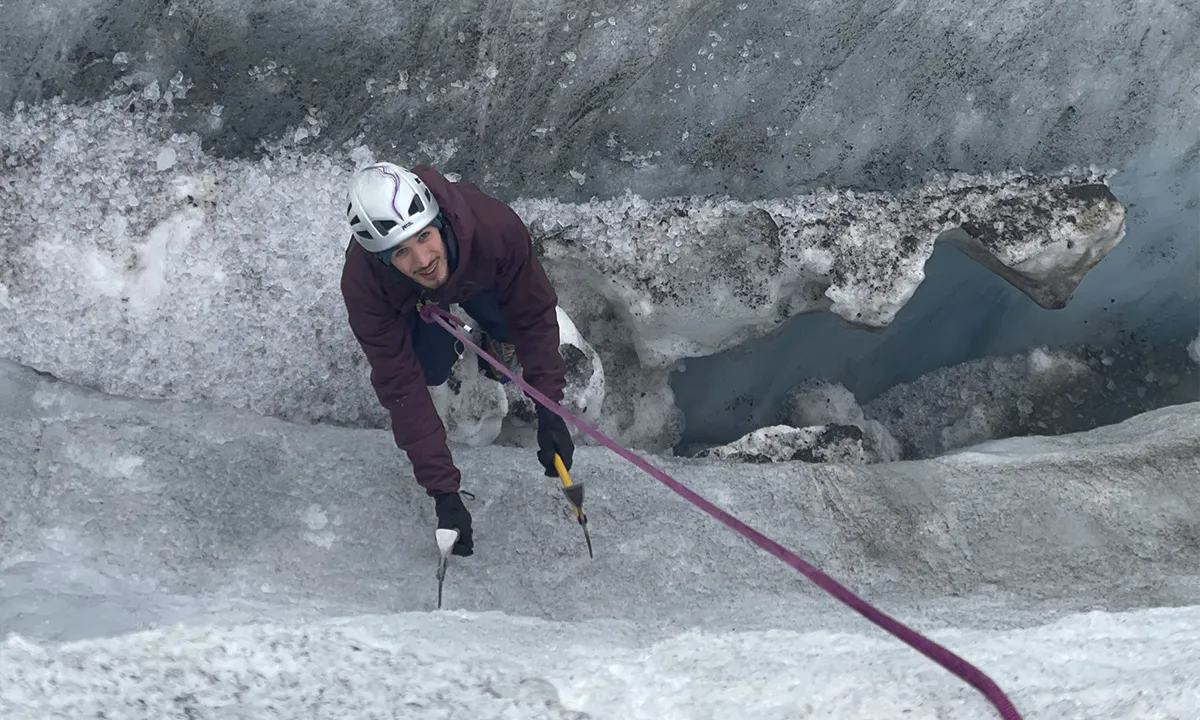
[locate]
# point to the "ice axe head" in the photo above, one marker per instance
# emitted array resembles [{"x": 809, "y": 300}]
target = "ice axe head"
[
  {"x": 446, "y": 537},
  {"x": 574, "y": 493}
]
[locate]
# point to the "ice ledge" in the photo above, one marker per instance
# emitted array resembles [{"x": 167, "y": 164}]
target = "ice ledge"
[
  {"x": 699, "y": 275},
  {"x": 161, "y": 271}
]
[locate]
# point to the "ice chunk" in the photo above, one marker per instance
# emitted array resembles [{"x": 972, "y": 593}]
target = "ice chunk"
[
  {"x": 779, "y": 443},
  {"x": 472, "y": 406},
  {"x": 166, "y": 159},
  {"x": 477, "y": 410},
  {"x": 878, "y": 443},
  {"x": 582, "y": 396},
  {"x": 816, "y": 402}
]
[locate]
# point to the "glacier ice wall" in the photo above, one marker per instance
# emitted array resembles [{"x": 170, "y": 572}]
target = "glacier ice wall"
[
  {"x": 573, "y": 101},
  {"x": 580, "y": 99},
  {"x": 157, "y": 269}
]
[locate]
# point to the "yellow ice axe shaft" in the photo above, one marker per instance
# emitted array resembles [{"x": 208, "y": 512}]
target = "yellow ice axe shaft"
[
  {"x": 573, "y": 492},
  {"x": 562, "y": 471}
]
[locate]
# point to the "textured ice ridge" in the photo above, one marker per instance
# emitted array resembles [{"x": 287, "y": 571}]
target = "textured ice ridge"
[{"x": 698, "y": 275}]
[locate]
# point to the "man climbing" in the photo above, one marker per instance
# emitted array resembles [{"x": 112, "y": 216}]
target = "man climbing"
[{"x": 419, "y": 238}]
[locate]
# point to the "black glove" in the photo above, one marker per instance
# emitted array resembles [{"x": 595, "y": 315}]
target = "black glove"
[
  {"x": 553, "y": 437},
  {"x": 452, "y": 514}
]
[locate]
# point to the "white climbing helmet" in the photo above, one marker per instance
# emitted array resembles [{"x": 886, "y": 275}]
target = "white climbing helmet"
[{"x": 388, "y": 205}]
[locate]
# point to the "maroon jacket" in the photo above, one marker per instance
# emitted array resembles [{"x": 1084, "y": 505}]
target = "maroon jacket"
[{"x": 494, "y": 251}]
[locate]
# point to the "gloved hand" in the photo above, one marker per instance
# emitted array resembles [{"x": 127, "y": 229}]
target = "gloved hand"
[
  {"x": 553, "y": 437},
  {"x": 451, "y": 513}
]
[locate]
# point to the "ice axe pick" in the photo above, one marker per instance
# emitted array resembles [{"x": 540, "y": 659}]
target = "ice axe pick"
[{"x": 446, "y": 537}]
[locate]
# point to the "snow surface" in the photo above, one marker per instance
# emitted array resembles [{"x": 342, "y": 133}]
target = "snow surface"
[
  {"x": 1132, "y": 666},
  {"x": 216, "y": 280},
  {"x": 166, "y": 558}
]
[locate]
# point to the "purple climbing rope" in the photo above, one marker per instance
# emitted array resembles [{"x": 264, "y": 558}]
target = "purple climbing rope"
[{"x": 942, "y": 656}]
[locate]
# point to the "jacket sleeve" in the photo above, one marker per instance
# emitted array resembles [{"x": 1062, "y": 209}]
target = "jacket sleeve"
[
  {"x": 528, "y": 304},
  {"x": 399, "y": 384}
]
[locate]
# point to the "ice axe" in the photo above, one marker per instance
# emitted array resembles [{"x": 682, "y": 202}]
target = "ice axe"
[
  {"x": 574, "y": 493},
  {"x": 446, "y": 537}
]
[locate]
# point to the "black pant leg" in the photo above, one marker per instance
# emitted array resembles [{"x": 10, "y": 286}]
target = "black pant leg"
[
  {"x": 436, "y": 349},
  {"x": 485, "y": 309}
]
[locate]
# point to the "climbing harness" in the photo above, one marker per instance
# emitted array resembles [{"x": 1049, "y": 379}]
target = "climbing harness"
[{"x": 964, "y": 670}]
